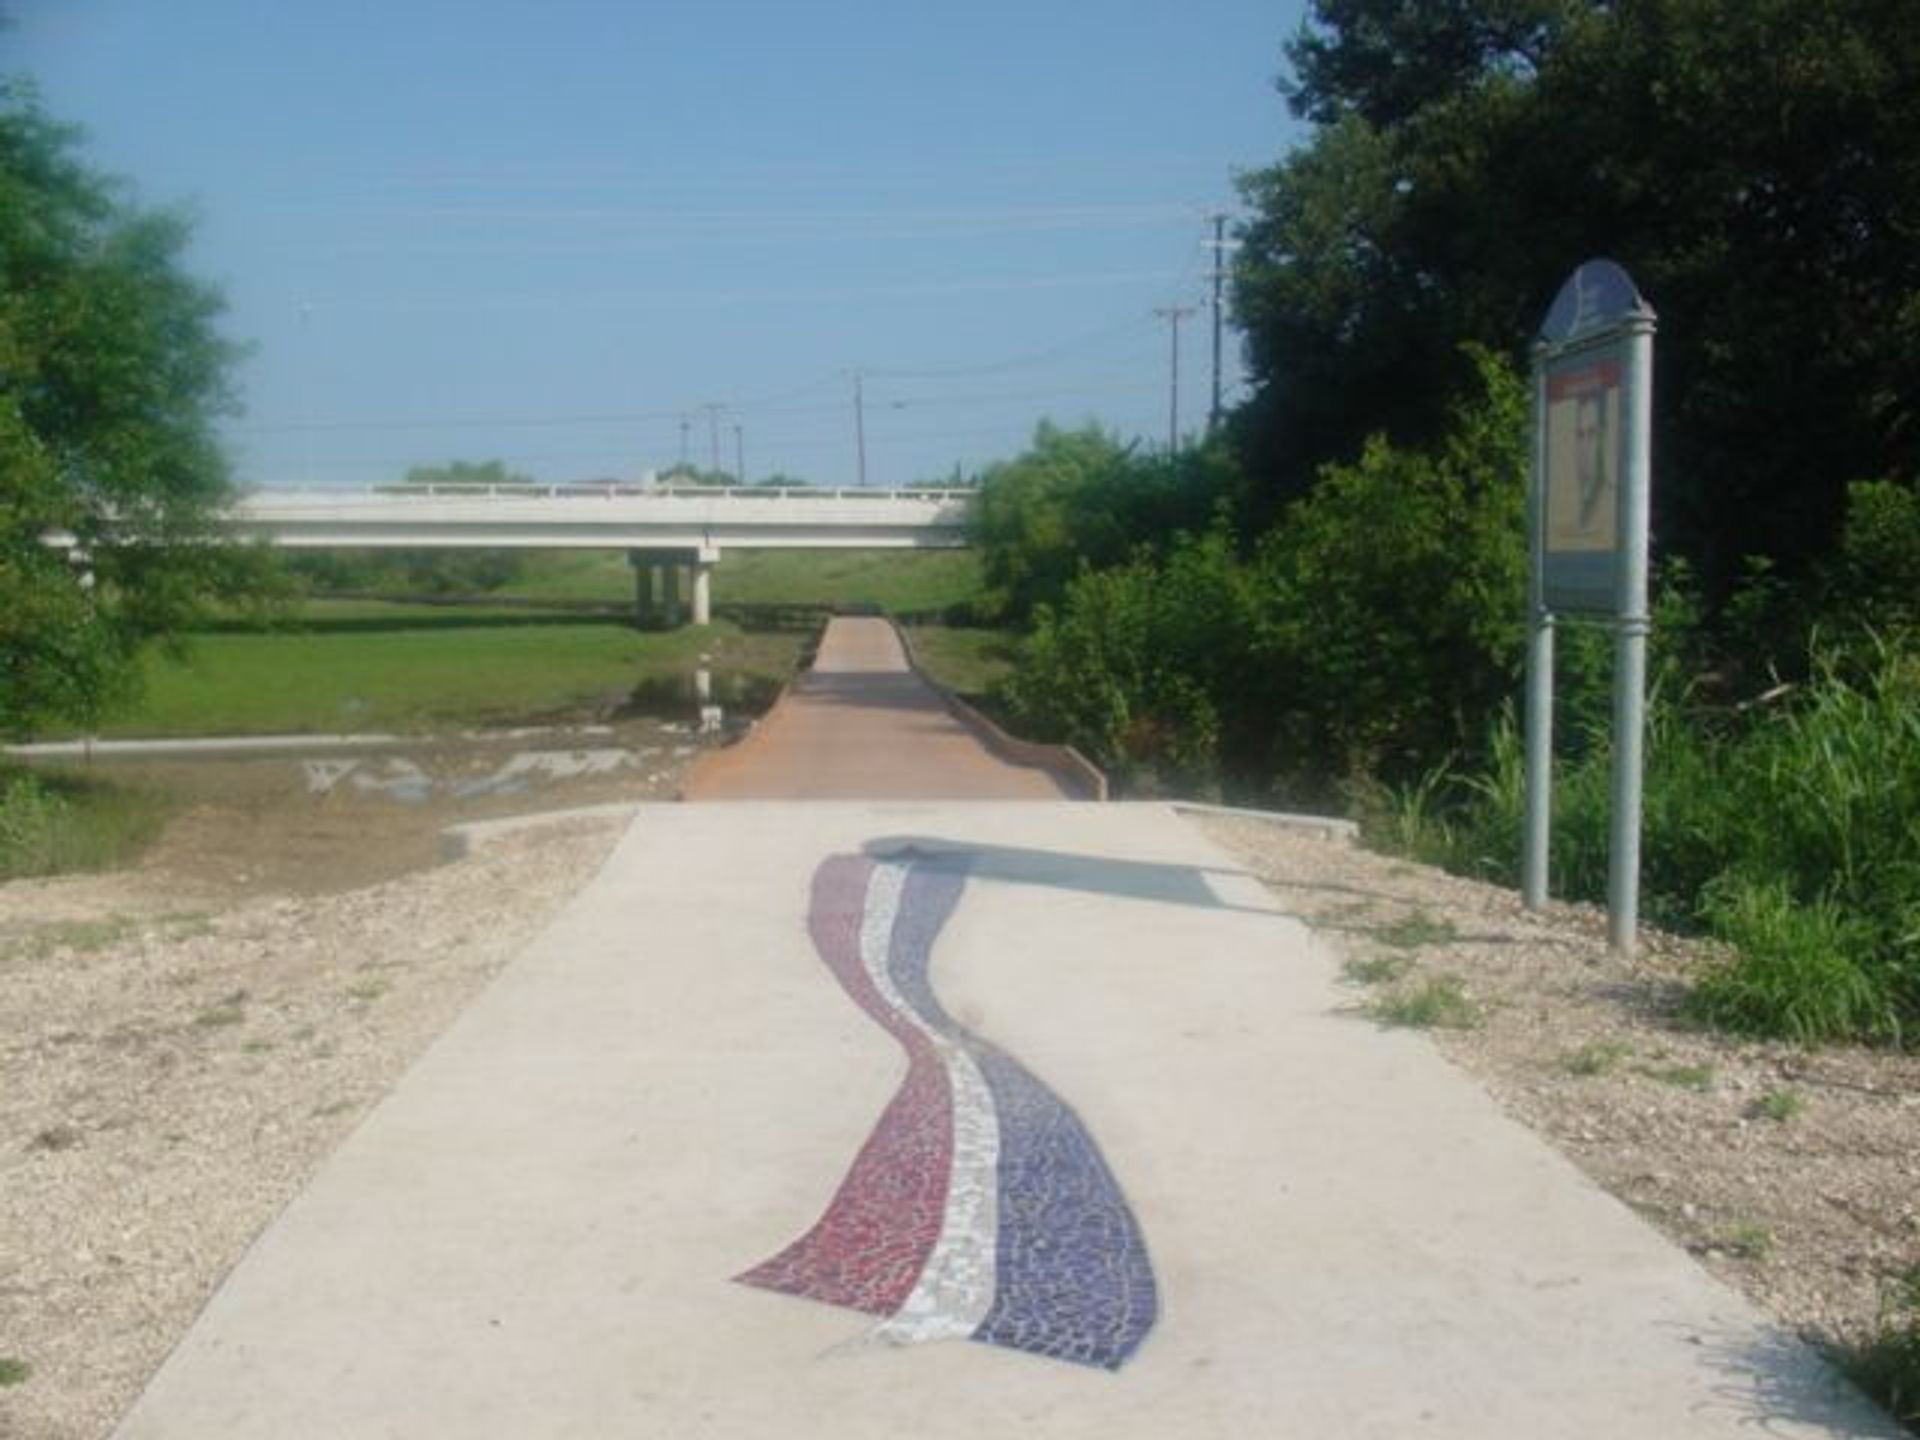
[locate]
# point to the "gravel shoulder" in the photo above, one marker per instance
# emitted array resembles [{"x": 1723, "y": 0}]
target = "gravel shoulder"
[
  {"x": 170, "y": 1078},
  {"x": 176, "y": 1061},
  {"x": 1792, "y": 1174}
]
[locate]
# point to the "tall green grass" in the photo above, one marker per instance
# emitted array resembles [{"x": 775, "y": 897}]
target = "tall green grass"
[
  {"x": 1887, "y": 1364},
  {"x": 52, "y": 823},
  {"x": 1792, "y": 832}
]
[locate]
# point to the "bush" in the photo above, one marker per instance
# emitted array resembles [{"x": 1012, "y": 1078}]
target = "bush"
[
  {"x": 1377, "y": 627},
  {"x": 1141, "y": 665},
  {"x": 1797, "y": 969},
  {"x": 1392, "y": 598},
  {"x": 1792, "y": 833}
]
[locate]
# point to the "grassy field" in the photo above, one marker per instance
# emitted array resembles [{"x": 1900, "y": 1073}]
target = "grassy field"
[
  {"x": 360, "y": 665},
  {"x": 354, "y": 664},
  {"x": 903, "y": 582}
]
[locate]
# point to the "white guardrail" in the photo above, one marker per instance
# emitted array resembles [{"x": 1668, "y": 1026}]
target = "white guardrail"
[
  {"x": 610, "y": 515},
  {"x": 617, "y": 490}
]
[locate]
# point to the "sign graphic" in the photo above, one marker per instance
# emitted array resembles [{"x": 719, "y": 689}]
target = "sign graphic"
[{"x": 1583, "y": 458}]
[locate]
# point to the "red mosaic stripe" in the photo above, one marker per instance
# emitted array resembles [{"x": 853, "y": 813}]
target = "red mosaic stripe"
[{"x": 867, "y": 1250}]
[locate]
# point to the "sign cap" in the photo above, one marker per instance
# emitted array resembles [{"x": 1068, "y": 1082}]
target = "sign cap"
[{"x": 1596, "y": 296}]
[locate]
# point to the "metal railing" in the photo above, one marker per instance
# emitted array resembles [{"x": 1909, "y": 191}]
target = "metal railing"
[{"x": 616, "y": 490}]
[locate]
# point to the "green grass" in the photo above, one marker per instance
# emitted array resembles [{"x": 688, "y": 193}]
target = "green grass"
[
  {"x": 354, "y": 666},
  {"x": 1416, "y": 930},
  {"x": 902, "y": 582},
  {"x": 1786, "y": 831},
  {"x": 1779, "y": 1106},
  {"x": 52, "y": 822},
  {"x": 1596, "y": 1057},
  {"x": 966, "y": 661},
  {"x": 13, "y": 1372},
  {"x": 1887, "y": 1365},
  {"x": 84, "y": 936},
  {"x": 1685, "y": 1077},
  {"x": 1746, "y": 1240},
  {"x": 1376, "y": 969},
  {"x": 1440, "y": 1002}
]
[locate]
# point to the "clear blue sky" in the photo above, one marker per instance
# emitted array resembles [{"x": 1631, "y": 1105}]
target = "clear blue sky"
[{"x": 548, "y": 234}]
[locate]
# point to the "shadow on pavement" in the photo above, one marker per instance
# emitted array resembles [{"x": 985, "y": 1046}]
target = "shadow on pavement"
[{"x": 1060, "y": 870}]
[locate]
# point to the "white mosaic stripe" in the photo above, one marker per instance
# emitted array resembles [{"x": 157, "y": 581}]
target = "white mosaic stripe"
[{"x": 956, "y": 1289}]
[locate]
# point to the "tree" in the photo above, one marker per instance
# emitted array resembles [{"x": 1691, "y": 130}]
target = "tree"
[
  {"x": 1754, "y": 163},
  {"x": 1080, "y": 498},
  {"x": 111, "y": 376},
  {"x": 465, "y": 472}
]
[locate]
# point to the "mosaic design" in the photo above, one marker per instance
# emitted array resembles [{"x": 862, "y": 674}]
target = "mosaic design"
[{"x": 979, "y": 1208}]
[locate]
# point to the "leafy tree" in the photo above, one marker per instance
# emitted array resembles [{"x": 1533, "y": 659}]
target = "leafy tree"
[
  {"x": 1144, "y": 665},
  {"x": 1392, "y": 597},
  {"x": 1079, "y": 498},
  {"x": 465, "y": 472},
  {"x": 111, "y": 376},
  {"x": 1754, "y": 163},
  {"x": 1377, "y": 629}
]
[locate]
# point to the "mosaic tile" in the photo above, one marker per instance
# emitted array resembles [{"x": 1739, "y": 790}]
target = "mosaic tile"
[{"x": 980, "y": 1207}]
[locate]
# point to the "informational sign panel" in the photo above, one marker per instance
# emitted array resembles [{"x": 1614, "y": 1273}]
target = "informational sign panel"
[
  {"x": 1589, "y": 509},
  {"x": 1584, "y": 461}
]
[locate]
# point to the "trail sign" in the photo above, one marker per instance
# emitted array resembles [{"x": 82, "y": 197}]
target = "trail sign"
[
  {"x": 1585, "y": 363},
  {"x": 1588, "y": 523}
]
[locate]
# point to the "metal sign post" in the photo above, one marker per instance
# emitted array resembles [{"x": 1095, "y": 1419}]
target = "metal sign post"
[{"x": 1588, "y": 518}]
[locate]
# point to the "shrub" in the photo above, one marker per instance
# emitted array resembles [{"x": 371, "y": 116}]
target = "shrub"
[
  {"x": 1139, "y": 666},
  {"x": 1391, "y": 597},
  {"x": 1796, "y": 972},
  {"x": 1793, "y": 834}
]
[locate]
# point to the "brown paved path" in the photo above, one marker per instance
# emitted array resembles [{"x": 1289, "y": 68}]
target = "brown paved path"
[{"x": 861, "y": 725}]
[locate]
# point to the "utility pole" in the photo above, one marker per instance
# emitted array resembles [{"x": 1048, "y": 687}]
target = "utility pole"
[
  {"x": 860, "y": 428},
  {"x": 1220, "y": 245},
  {"x": 685, "y": 425},
  {"x": 739, "y": 456},
  {"x": 1173, "y": 315}
]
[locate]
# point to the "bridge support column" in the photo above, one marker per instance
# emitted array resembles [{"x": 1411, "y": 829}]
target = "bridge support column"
[
  {"x": 702, "y": 592},
  {"x": 670, "y": 607},
  {"x": 646, "y": 576}
]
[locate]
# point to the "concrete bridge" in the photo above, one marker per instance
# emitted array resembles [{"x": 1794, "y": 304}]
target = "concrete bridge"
[{"x": 668, "y": 532}]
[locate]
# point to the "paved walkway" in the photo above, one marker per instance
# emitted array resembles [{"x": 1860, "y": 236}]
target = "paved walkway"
[
  {"x": 861, "y": 724},
  {"x": 886, "y": 1118}
]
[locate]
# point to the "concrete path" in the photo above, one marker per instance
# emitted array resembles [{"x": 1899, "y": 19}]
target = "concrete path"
[
  {"x": 862, "y": 724},
  {"x": 723, "y": 1082}
]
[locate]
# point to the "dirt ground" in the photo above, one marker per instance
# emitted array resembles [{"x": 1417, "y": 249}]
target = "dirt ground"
[
  {"x": 1792, "y": 1174},
  {"x": 321, "y": 821},
  {"x": 183, "y": 1043}
]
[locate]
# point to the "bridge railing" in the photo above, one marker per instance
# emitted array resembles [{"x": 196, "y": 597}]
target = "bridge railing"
[{"x": 627, "y": 491}]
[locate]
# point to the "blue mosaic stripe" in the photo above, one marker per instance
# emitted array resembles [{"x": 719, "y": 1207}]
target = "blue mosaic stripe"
[{"x": 1074, "y": 1279}]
